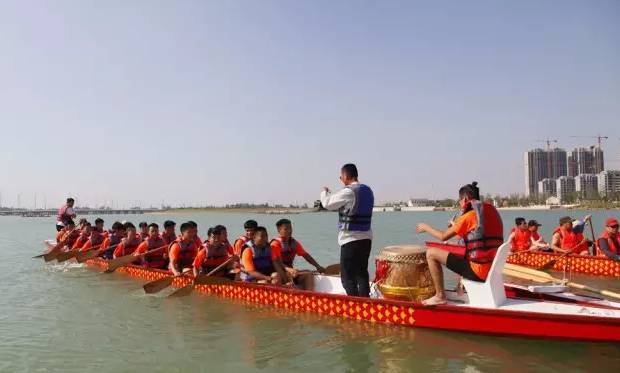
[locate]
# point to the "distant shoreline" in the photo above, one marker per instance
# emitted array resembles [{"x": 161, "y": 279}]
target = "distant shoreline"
[{"x": 244, "y": 210}]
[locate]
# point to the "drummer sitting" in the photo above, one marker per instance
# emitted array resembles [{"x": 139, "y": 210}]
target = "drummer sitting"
[{"x": 481, "y": 242}]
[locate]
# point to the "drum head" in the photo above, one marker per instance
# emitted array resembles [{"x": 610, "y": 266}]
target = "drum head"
[{"x": 407, "y": 252}]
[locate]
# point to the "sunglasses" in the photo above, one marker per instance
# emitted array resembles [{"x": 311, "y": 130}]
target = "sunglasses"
[{"x": 612, "y": 226}]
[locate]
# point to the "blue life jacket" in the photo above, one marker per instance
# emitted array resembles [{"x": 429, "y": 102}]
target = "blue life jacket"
[
  {"x": 262, "y": 261},
  {"x": 358, "y": 216}
]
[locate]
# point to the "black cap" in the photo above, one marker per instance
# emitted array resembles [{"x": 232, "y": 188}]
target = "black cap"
[
  {"x": 566, "y": 219},
  {"x": 533, "y": 223}
]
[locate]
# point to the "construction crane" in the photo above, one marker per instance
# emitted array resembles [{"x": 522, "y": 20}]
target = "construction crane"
[
  {"x": 548, "y": 141},
  {"x": 597, "y": 137}
]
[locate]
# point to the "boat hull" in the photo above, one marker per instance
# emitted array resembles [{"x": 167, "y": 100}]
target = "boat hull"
[
  {"x": 446, "y": 317},
  {"x": 587, "y": 265}
]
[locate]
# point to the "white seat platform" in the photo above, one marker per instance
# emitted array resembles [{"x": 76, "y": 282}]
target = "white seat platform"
[{"x": 491, "y": 293}]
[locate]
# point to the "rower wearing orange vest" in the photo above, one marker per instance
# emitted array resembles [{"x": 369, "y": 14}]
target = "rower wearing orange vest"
[
  {"x": 537, "y": 239},
  {"x": 99, "y": 227},
  {"x": 113, "y": 239},
  {"x": 183, "y": 251},
  {"x": 258, "y": 262},
  {"x": 520, "y": 236},
  {"x": 65, "y": 214},
  {"x": 608, "y": 244},
  {"x": 83, "y": 237},
  {"x": 71, "y": 234},
  {"x": 129, "y": 244},
  {"x": 567, "y": 239},
  {"x": 481, "y": 228},
  {"x": 144, "y": 230},
  {"x": 249, "y": 227},
  {"x": 169, "y": 235},
  {"x": 194, "y": 231},
  {"x": 152, "y": 242},
  {"x": 285, "y": 248},
  {"x": 94, "y": 241},
  {"x": 215, "y": 252}
]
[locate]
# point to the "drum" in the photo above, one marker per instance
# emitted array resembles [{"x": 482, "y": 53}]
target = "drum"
[{"x": 402, "y": 273}]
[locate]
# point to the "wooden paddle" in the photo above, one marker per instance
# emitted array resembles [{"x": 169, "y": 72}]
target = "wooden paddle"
[
  {"x": 51, "y": 255},
  {"x": 159, "y": 285},
  {"x": 63, "y": 257},
  {"x": 83, "y": 256},
  {"x": 200, "y": 280},
  {"x": 127, "y": 259},
  {"x": 332, "y": 270},
  {"x": 539, "y": 276}
]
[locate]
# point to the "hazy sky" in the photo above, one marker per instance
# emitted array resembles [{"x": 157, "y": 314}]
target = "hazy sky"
[{"x": 263, "y": 101}]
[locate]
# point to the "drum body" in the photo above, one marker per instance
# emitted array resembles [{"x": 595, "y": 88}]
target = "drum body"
[{"x": 402, "y": 273}]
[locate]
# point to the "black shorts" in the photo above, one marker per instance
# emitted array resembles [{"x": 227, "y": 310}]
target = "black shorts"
[{"x": 460, "y": 265}]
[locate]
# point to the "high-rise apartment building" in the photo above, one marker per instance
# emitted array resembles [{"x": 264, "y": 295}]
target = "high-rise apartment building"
[
  {"x": 609, "y": 182},
  {"x": 565, "y": 186},
  {"x": 586, "y": 186},
  {"x": 547, "y": 188},
  {"x": 586, "y": 161},
  {"x": 543, "y": 164}
]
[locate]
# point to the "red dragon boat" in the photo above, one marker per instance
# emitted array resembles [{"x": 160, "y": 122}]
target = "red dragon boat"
[
  {"x": 588, "y": 265},
  {"x": 487, "y": 309}
]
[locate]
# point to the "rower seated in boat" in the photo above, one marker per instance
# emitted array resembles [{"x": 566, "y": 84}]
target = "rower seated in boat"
[
  {"x": 70, "y": 236},
  {"x": 608, "y": 243},
  {"x": 129, "y": 244},
  {"x": 215, "y": 252},
  {"x": 113, "y": 239},
  {"x": 183, "y": 251},
  {"x": 153, "y": 242},
  {"x": 83, "y": 237},
  {"x": 285, "y": 248},
  {"x": 568, "y": 237},
  {"x": 94, "y": 240},
  {"x": 480, "y": 226},
  {"x": 258, "y": 262}
]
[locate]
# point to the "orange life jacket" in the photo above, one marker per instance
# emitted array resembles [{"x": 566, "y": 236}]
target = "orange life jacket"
[
  {"x": 69, "y": 238},
  {"x": 215, "y": 255},
  {"x": 157, "y": 259},
  {"x": 522, "y": 239},
  {"x": 129, "y": 246},
  {"x": 239, "y": 244},
  {"x": 613, "y": 244},
  {"x": 288, "y": 251},
  {"x": 569, "y": 240},
  {"x": 481, "y": 244},
  {"x": 82, "y": 239},
  {"x": 187, "y": 254}
]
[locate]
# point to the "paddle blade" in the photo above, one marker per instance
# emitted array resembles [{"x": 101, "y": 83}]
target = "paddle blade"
[
  {"x": 120, "y": 262},
  {"x": 182, "y": 292},
  {"x": 333, "y": 269},
  {"x": 158, "y": 285},
  {"x": 211, "y": 280},
  {"x": 50, "y": 256},
  {"x": 39, "y": 256},
  {"x": 63, "y": 257}
]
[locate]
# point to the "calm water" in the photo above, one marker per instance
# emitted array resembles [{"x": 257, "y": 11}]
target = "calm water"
[{"x": 67, "y": 318}]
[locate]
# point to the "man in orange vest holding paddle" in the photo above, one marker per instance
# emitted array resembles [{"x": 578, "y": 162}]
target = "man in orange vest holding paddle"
[
  {"x": 183, "y": 251},
  {"x": 480, "y": 226},
  {"x": 610, "y": 247},
  {"x": 568, "y": 238},
  {"x": 520, "y": 236}
]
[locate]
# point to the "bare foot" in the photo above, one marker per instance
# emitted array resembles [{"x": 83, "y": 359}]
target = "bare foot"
[
  {"x": 434, "y": 301},
  {"x": 460, "y": 289}
]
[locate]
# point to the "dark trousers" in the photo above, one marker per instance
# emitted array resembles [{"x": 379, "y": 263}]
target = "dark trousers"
[{"x": 354, "y": 267}]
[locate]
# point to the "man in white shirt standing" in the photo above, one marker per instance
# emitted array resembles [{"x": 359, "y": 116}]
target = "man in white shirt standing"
[
  {"x": 65, "y": 214},
  {"x": 354, "y": 203}
]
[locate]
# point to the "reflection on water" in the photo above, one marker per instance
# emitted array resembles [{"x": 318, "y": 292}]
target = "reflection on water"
[{"x": 68, "y": 318}]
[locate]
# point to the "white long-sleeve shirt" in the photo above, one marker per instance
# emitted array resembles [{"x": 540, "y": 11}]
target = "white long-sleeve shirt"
[{"x": 334, "y": 201}]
